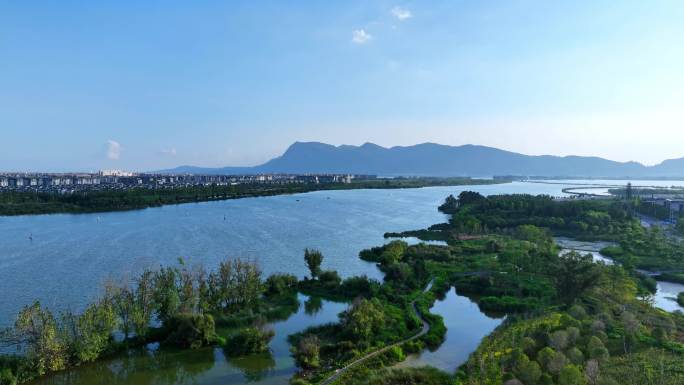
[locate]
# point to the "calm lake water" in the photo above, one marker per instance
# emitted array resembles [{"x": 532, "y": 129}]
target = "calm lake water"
[
  {"x": 621, "y": 182},
  {"x": 71, "y": 255},
  {"x": 466, "y": 326},
  {"x": 207, "y": 366}
]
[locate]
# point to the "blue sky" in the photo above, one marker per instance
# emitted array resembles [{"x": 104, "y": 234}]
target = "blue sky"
[{"x": 147, "y": 85}]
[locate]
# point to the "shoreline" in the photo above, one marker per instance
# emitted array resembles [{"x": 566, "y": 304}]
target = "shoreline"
[{"x": 139, "y": 199}]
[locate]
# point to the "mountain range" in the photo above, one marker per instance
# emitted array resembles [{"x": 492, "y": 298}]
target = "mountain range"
[{"x": 430, "y": 159}]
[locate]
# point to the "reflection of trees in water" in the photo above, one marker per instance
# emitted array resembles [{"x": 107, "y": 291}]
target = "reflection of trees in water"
[
  {"x": 285, "y": 310},
  {"x": 313, "y": 305},
  {"x": 180, "y": 367},
  {"x": 255, "y": 367},
  {"x": 139, "y": 367}
]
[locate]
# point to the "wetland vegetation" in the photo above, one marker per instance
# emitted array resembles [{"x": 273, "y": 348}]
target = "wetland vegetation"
[{"x": 569, "y": 320}]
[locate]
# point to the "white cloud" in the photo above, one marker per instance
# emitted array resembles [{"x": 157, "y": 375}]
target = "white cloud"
[
  {"x": 401, "y": 13},
  {"x": 113, "y": 149},
  {"x": 169, "y": 151},
  {"x": 360, "y": 36}
]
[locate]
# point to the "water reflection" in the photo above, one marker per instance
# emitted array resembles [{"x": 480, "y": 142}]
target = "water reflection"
[
  {"x": 313, "y": 305},
  {"x": 466, "y": 326},
  {"x": 206, "y": 366},
  {"x": 255, "y": 367},
  {"x": 665, "y": 297}
]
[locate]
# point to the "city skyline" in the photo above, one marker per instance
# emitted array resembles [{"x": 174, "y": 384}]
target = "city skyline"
[{"x": 151, "y": 86}]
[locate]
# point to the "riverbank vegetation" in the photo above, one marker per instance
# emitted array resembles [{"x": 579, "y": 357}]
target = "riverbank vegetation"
[
  {"x": 569, "y": 320},
  {"x": 26, "y": 203},
  {"x": 586, "y": 322},
  {"x": 178, "y": 306}
]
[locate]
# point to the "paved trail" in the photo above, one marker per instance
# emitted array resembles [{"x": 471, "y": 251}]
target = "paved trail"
[{"x": 423, "y": 331}]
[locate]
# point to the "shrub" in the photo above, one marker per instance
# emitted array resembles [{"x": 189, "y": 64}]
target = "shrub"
[
  {"x": 417, "y": 376},
  {"x": 7, "y": 377},
  {"x": 396, "y": 354},
  {"x": 192, "y": 330},
  {"x": 279, "y": 283},
  {"x": 250, "y": 340},
  {"x": 359, "y": 286},
  {"x": 329, "y": 278},
  {"x": 307, "y": 352}
]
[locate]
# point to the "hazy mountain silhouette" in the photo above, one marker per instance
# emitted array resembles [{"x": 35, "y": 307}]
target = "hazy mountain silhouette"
[{"x": 430, "y": 159}]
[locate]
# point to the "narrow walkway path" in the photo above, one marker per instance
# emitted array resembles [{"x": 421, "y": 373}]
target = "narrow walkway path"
[{"x": 423, "y": 331}]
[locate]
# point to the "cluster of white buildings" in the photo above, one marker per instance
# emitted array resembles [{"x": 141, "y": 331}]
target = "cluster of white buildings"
[{"x": 117, "y": 179}]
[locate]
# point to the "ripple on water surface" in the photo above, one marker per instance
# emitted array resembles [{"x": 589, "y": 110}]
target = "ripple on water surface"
[{"x": 71, "y": 255}]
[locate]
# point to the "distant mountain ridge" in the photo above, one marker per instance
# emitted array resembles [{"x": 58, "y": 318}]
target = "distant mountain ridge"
[{"x": 431, "y": 159}]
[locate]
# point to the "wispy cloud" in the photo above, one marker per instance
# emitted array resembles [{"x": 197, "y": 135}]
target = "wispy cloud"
[
  {"x": 401, "y": 13},
  {"x": 360, "y": 36},
  {"x": 113, "y": 149},
  {"x": 169, "y": 151}
]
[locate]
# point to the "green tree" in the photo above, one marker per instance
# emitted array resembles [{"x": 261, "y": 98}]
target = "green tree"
[
  {"x": 396, "y": 354},
  {"x": 95, "y": 328},
  {"x": 277, "y": 284},
  {"x": 575, "y": 356},
  {"x": 307, "y": 352},
  {"x": 192, "y": 330},
  {"x": 236, "y": 284},
  {"x": 393, "y": 252},
  {"x": 470, "y": 197},
  {"x": 144, "y": 303},
  {"x": 166, "y": 295},
  {"x": 527, "y": 371},
  {"x": 122, "y": 299},
  {"x": 559, "y": 340},
  {"x": 314, "y": 259},
  {"x": 575, "y": 274},
  {"x": 528, "y": 345},
  {"x": 571, "y": 375},
  {"x": 250, "y": 340},
  {"x": 363, "y": 319},
  {"x": 545, "y": 356},
  {"x": 37, "y": 330}
]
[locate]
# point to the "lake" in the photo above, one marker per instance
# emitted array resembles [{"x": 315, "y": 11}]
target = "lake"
[{"x": 70, "y": 255}]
